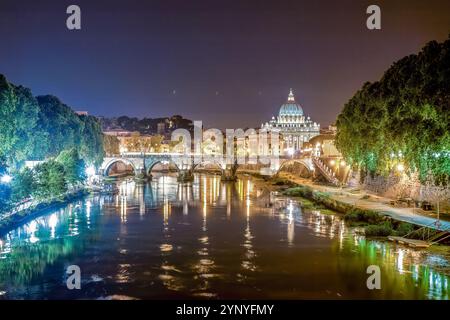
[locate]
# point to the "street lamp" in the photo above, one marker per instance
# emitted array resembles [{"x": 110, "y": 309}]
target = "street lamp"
[
  {"x": 6, "y": 178},
  {"x": 90, "y": 171}
]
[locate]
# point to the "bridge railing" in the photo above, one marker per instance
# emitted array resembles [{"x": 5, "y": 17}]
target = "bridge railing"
[{"x": 326, "y": 171}]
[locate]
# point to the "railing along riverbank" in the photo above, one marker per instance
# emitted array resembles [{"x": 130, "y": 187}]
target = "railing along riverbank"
[{"x": 31, "y": 208}]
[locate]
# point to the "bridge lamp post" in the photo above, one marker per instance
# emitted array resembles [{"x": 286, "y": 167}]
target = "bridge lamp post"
[
  {"x": 291, "y": 152},
  {"x": 90, "y": 172}
]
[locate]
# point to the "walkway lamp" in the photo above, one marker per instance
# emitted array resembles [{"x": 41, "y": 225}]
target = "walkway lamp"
[
  {"x": 90, "y": 171},
  {"x": 6, "y": 179}
]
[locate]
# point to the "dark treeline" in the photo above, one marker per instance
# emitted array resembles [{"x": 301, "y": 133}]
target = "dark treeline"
[
  {"x": 146, "y": 125},
  {"x": 37, "y": 128},
  {"x": 403, "y": 119}
]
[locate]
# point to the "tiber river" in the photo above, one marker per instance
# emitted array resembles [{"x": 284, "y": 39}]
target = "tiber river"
[{"x": 208, "y": 240}]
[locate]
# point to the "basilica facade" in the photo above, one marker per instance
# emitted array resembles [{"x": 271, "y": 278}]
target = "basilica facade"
[{"x": 293, "y": 126}]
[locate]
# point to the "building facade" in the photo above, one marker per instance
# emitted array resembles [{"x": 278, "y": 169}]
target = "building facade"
[{"x": 293, "y": 126}]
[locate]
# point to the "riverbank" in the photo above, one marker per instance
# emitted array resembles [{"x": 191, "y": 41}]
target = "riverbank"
[
  {"x": 374, "y": 217},
  {"x": 9, "y": 222}
]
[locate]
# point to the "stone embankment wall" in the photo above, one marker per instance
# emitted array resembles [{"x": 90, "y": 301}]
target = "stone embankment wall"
[{"x": 404, "y": 186}]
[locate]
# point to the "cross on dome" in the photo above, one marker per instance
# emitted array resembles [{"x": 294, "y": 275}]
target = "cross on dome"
[{"x": 291, "y": 96}]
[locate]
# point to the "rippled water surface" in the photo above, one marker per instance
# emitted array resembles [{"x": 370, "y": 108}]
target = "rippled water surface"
[{"x": 207, "y": 239}]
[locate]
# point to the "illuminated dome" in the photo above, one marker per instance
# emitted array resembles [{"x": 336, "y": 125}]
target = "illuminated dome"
[{"x": 291, "y": 108}]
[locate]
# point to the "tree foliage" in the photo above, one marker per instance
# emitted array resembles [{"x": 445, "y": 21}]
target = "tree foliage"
[
  {"x": 66, "y": 129},
  {"x": 74, "y": 166},
  {"x": 50, "y": 180},
  {"x": 18, "y": 117},
  {"x": 402, "y": 118},
  {"x": 5, "y": 190},
  {"x": 111, "y": 145},
  {"x": 37, "y": 128},
  {"x": 23, "y": 185}
]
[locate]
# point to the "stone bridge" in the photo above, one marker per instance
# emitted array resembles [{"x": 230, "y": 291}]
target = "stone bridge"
[{"x": 143, "y": 164}]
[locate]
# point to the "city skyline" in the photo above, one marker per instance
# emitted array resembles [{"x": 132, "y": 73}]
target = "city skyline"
[{"x": 210, "y": 62}]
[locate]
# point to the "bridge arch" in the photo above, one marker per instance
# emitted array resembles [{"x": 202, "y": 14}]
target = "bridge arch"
[
  {"x": 110, "y": 163},
  {"x": 161, "y": 161},
  {"x": 208, "y": 162},
  {"x": 308, "y": 166}
]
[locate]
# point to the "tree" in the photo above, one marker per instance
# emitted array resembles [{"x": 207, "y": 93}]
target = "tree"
[
  {"x": 38, "y": 128},
  {"x": 18, "y": 117},
  {"x": 402, "y": 119},
  {"x": 138, "y": 143},
  {"x": 5, "y": 190},
  {"x": 91, "y": 148},
  {"x": 74, "y": 166},
  {"x": 50, "y": 180},
  {"x": 23, "y": 185},
  {"x": 111, "y": 145}
]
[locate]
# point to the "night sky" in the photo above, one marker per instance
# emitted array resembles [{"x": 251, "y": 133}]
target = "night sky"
[{"x": 229, "y": 63}]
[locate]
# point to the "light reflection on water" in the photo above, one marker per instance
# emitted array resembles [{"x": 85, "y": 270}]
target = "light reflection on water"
[{"x": 207, "y": 239}]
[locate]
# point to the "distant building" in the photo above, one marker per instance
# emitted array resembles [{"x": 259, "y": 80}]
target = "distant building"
[
  {"x": 118, "y": 133},
  {"x": 161, "y": 128},
  {"x": 294, "y": 128},
  {"x": 332, "y": 129},
  {"x": 324, "y": 145},
  {"x": 82, "y": 113}
]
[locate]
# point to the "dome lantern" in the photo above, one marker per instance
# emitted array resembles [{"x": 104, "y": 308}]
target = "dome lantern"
[{"x": 291, "y": 108}]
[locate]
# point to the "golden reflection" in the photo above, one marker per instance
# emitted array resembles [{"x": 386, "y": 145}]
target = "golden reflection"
[
  {"x": 141, "y": 197},
  {"x": 167, "y": 208},
  {"x": 166, "y": 247},
  {"x": 171, "y": 282},
  {"x": 123, "y": 209},
  {"x": 249, "y": 254},
  {"x": 123, "y": 275},
  {"x": 341, "y": 234},
  {"x": 291, "y": 223},
  {"x": 400, "y": 256}
]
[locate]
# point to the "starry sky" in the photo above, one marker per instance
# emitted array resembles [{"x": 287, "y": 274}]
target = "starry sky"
[{"x": 229, "y": 63}]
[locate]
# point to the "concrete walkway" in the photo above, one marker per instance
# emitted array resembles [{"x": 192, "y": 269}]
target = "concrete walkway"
[{"x": 376, "y": 203}]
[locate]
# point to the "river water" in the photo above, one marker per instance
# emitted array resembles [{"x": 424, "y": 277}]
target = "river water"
[{"x": 208, "y": 239}]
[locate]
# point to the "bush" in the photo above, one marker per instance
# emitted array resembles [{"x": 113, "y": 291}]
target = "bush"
[
  {"x": 404, "y": 228},
  {"x": 379, "y": 230},
  {"x": 299, "y": 191},
  {"x": 356, "y": 215}
]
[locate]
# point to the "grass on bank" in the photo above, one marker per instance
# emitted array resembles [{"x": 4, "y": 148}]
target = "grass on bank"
[{"x": 374, "y": 224}]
